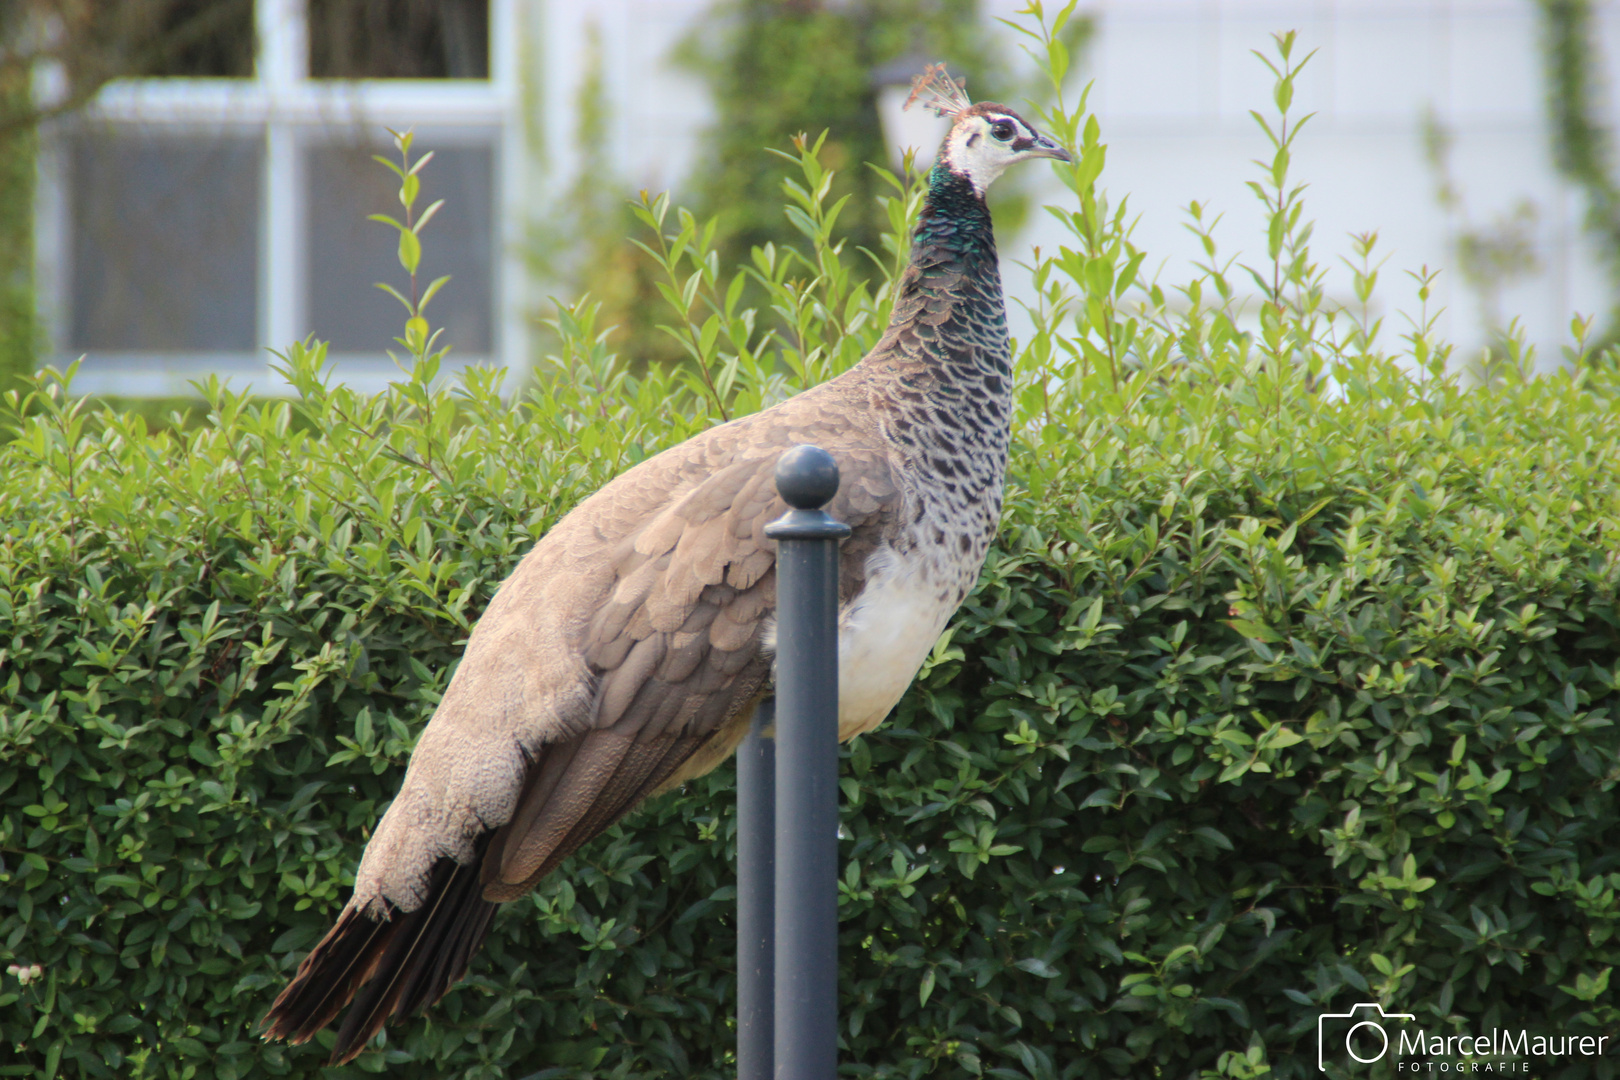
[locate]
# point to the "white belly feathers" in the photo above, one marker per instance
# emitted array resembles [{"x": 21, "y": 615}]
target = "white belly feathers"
[{"x": 885, "y": 635}]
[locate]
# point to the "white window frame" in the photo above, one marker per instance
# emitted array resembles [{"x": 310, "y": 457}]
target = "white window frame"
[{"x": 292, "y": 112}]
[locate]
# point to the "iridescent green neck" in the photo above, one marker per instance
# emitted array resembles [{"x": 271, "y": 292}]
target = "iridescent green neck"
[{"x": 954, "y": 215}]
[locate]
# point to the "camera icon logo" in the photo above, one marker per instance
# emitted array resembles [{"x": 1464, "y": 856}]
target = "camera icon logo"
[{"x": 1362, "y": 1027}]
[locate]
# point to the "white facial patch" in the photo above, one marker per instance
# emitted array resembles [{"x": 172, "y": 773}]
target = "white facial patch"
[{"x": 972, "y": 150}]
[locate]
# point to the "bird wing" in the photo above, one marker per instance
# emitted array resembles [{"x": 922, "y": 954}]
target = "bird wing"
[
  {"x": 622, "y": 655},
  {"x": 676, "y": 655}
]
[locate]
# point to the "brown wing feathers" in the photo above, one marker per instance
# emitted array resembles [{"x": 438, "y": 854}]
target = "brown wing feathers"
[{"x": 673, "y": 649}]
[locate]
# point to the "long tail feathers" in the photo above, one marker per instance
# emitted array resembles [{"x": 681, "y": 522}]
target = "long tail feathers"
[
  {"x": 400, "y": 964},
  {"x": 391, "y": 967}
]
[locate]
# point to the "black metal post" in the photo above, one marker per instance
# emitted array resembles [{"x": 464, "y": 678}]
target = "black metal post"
[
  {"x": 756, "y": 898},
  {"x": 807, "y": 766}
]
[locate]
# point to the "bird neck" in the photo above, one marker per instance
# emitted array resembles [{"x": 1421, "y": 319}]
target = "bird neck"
[
  {"x": 943, "y": 376},
  {"x": 948, "y": 302},
  {"x": 954, "y": 217}
]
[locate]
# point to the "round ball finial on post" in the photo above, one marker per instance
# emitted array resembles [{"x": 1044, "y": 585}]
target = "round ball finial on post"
[{"x": 807, "y": 477}]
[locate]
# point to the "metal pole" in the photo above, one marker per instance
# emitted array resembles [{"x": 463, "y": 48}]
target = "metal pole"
[
  {"x": 807, "y": 773},
  {"x": 756, "y": 898}
]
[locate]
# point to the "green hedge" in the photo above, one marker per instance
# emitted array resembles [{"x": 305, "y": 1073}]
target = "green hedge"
[{"x": 1286, "y": 688}]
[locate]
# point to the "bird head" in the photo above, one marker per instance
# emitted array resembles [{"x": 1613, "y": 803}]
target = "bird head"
[{"x": 985, "y": 138}]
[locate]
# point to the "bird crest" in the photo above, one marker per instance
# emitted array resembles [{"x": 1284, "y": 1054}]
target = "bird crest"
[{"x": 940, "y": 92}]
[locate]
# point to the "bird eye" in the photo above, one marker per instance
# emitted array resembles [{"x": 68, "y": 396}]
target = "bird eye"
[{"x": 1002, "y": 129}]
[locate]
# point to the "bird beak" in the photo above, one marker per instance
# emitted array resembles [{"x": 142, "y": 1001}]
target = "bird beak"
[{"x": 1046, "y": 147}]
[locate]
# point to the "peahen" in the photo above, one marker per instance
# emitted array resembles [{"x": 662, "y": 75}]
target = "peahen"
[{"x": 628, "y": 650}]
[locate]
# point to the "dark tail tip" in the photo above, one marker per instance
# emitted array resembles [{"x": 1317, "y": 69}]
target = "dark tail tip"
[{"x": 389, "y": 967}]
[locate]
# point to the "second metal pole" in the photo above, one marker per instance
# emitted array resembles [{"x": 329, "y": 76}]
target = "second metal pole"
[
  {"x": 807, "y": 767},
  {"x": 756, "y": 898}
]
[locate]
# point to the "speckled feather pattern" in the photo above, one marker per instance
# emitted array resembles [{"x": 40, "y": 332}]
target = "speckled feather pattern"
[{"x": 942, "y": 384}]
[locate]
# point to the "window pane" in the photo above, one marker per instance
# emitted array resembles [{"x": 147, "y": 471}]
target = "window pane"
[
  {"x": 347, "y": 253},
  {"x": 165, "y": 242},
  {"x": 200, "y": 38},
  {"x": 399, "y": 39}
]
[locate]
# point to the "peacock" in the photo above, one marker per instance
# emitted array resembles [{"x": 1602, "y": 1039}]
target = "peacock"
[{"x": 630, "y": 647}]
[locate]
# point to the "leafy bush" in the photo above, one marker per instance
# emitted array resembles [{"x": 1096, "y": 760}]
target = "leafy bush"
[{"x": 1287, "y": 687}]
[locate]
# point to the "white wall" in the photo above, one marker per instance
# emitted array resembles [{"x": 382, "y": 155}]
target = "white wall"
[
  {"x": 1174, "y": 81},
  {"x": 657, "y": 111}
]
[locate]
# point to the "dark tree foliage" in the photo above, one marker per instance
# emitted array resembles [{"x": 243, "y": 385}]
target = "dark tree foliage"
[{"x": 192, "y": 39}]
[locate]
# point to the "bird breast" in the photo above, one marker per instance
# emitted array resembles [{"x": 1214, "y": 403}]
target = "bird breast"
[{"x": 887, "y": 631}]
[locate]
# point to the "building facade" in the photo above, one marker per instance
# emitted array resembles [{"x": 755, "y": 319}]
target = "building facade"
[{"x": 187, "y": 225}]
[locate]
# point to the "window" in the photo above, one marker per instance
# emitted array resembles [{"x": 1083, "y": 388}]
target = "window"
[
  {"x": 347, "y": 253},
  {"x": 215, "y": 206},
  {"x": 399, "y": 39},
  {"x": 191, "y": 38},
  {"x": 155, "y": 267}
]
